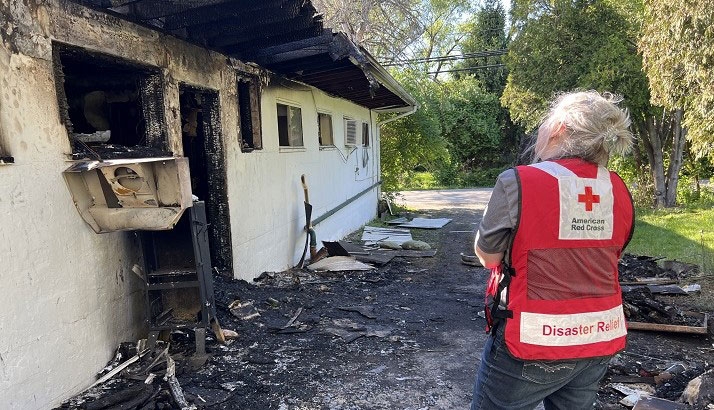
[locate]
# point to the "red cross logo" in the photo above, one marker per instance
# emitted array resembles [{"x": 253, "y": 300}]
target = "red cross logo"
[{"x": 588, "y": 198}]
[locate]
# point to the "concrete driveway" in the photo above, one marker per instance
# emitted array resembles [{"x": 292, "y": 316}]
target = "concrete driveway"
[{"x": 471, "y": 198}]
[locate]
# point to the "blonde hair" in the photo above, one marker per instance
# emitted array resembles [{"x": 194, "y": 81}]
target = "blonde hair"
[{"x": 592, "y": 127}]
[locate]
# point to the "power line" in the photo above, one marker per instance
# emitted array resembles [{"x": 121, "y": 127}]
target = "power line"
[
  {"x": 479, "y": 54},
  {"x": 475, "y": 68}
]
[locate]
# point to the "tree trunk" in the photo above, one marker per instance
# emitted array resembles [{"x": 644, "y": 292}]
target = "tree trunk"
[
  {"x": 653, "y": 144},
  {"x": 679, "y": 140}
]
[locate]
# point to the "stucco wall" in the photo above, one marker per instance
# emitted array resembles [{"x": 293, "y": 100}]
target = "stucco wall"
[
  {"x": 266, "y": 195},
  {"x": 69, "y": 296}
]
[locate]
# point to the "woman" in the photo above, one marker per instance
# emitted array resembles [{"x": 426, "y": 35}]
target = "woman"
[{"x": 551, "y": 235}]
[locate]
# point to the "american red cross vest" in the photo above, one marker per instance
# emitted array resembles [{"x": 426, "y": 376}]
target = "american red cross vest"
[{"x": 575, "y": 219}]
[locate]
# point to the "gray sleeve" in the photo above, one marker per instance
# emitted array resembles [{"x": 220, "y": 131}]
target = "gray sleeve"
[{"x": 501, "y": 215}]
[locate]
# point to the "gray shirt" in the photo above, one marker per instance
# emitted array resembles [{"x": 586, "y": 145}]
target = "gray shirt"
[{"x": 500, "y": 219}]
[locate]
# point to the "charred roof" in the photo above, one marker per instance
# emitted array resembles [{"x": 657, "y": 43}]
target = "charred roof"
[{"x": 284, "y": 36}]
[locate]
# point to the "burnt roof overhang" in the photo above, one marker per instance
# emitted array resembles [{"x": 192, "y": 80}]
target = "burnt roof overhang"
[{"x": 284, "y": 36}]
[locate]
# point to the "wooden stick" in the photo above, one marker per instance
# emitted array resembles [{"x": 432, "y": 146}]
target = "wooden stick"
[{"x": 666, "y": 328}]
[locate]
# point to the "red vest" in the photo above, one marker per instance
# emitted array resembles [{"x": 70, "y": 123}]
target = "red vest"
[{"x": 575, "y": 219}]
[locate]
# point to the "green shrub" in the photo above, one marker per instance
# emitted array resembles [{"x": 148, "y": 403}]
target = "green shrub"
[{"x": 481, "y": 177}]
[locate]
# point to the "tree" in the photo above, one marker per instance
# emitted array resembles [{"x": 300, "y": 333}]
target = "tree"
[
  {"x": 399, "y": 30},
  {"x": 414, "y": 141},
  {"x": 385, "y": 27},
  {"x": 486, "y": 36},
  {"x": 563, "y": 45},
  {"x": 677, "y": 46},
  {"x": 470, "y": 124}
]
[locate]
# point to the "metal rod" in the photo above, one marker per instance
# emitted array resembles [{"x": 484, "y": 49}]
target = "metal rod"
[{"x": 344, "y": 204}]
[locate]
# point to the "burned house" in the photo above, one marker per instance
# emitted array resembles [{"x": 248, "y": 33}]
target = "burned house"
[{"x": 115, "y": 115}]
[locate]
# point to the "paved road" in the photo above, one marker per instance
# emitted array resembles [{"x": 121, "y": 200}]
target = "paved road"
[{"x": 473, "y": 198}]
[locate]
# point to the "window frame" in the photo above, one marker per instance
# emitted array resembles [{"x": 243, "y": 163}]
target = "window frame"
[
  {"x": 331, "y": 143},
  {"x": 366, "y": 133},
  {"x": 289, "y": 107}
]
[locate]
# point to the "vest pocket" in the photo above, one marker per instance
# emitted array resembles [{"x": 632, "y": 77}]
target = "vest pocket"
[{"x": 571, "y": 273}]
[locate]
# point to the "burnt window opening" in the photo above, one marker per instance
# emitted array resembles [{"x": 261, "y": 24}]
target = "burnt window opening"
[
  {"x": 324, "y": 129},
  {"x": 112, "y": 108},
  {"x": 365, "y": 134},
  {"x": 5, "y": 157},
  {"x": 249, "y": 105},
  {"x": 203, "y": 146},
  {"x": 289, "y": 125}
]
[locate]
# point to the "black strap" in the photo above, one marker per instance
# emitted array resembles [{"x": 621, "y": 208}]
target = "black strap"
[{"x": 502, "y": 314}]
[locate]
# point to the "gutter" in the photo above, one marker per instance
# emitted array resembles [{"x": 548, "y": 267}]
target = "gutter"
[{"x": 399, "y": 117}]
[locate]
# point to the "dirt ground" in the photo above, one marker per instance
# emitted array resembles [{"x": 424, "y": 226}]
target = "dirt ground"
[{"x": 405, "y": 336}]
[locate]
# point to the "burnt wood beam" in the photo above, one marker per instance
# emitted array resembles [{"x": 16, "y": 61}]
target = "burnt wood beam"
[
  {"x": 225, "y": 10},
  {"x": 247, "y": 34},
  {"x": 239, "y": 21},
  {"x": 323, "y": 37},
  {"x": 296, "y": 54},
  {"x": 254, "y": 49},
  {"x": 154, "y": 9}
]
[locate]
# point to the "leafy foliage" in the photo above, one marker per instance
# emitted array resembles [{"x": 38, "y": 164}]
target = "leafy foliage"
[
  {"x": 470, "y": 123},
  {"x": 486, "y": 31},
  {"x": 563, "y": 45},
  {"x": 414, "y": 141},
  {"x": 677, "y": 45}
]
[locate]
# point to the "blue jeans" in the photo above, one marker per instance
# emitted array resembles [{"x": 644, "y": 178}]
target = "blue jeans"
[{"x": 505, "y": 383}]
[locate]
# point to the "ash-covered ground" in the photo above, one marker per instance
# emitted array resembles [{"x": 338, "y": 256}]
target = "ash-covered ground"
[
  {"x": 404, "y": 336},
  {"x": 415, "y": 344}
]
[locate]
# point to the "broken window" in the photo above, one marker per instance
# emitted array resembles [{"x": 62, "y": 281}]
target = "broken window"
[
  {"x": 365, "y": 134},
  {"x": 112, "y": 108},
  {"x": 350, "y": 132},
  {"x": 289, "y": 126},
  {"x": 249, "y": 105},
  {"x": 324, "y": 129}
]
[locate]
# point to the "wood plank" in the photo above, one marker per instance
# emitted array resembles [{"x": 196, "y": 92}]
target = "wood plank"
[
  {"x": 654, "y": 281},
  {"x": 658, "y": 327}
]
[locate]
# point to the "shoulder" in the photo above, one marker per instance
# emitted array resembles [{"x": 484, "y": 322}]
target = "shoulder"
[{"x": 507, "y": 177}]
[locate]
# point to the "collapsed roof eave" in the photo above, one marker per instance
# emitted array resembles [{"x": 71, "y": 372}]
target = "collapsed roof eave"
[
  {"x": 335, "y": 64},
  {"x": 285, "y": 37}
]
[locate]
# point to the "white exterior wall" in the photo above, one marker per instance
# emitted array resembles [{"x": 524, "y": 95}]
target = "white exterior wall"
[
  {"x": 265, "y": 193},
  {"x": 69, "y": 296}
]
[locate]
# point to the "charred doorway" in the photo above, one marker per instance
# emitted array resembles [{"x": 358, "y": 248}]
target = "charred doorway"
[{"x": 203, "y": 146}]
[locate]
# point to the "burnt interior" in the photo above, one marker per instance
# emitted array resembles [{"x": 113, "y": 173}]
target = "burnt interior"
[
  {"x": 203, "y": 146},
  {"x": 112, "y": 108}
]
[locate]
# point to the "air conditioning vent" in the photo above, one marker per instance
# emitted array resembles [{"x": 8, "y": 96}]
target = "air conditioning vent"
[{"x": 350, "y": 132}]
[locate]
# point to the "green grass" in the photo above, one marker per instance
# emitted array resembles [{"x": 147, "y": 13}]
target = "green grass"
[{"x": 683, "y": 234}]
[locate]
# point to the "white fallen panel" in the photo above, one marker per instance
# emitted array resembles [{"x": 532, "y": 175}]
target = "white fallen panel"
[
  {"x": 373, "y": 234},
  {"x": 338, "y": 264},
  {"x": 426, "y": 223}
]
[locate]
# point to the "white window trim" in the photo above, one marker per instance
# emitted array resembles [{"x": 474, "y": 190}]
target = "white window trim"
[
  {"x": 332, "y": 120},
  {"x": 289, "y": 103}
]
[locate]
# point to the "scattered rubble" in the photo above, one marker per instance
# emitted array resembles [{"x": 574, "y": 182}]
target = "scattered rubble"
[{"x": 370, "y": 339}]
